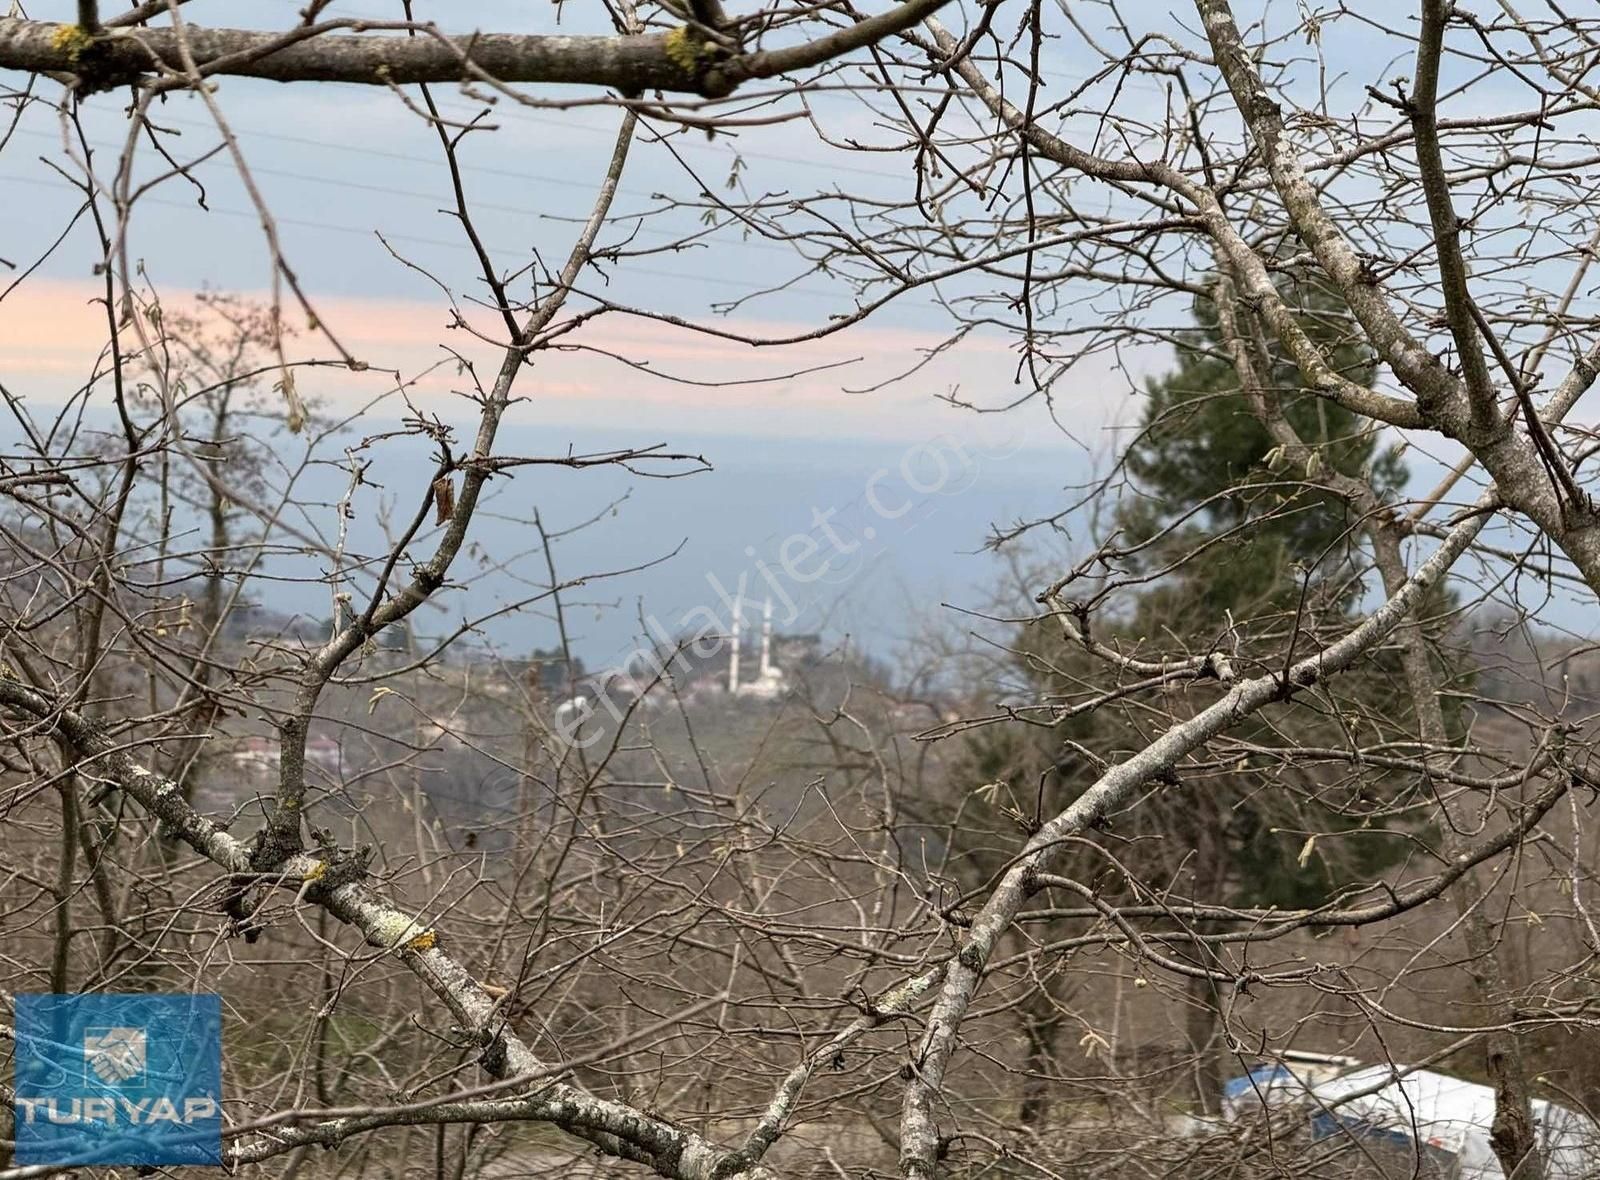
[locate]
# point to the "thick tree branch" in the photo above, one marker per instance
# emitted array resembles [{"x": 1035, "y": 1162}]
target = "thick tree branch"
[
  {"x": 1253, "y": 276},
  {"x": 1518, "y": 468},
  {"x": 371, "y": 53},
  {"x": 1438, "y": 390},
  {"x": 919, "y": 1130},
  {"x": 1446, "y": 227},
  {"x": 613, "y": 1126}
]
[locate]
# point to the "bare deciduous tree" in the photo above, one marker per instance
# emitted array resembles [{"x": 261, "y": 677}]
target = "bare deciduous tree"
[{"x": 854, "y": 938}]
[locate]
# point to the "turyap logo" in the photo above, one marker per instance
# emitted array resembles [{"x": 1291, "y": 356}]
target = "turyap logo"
[{"x": 119, "y": 1079}]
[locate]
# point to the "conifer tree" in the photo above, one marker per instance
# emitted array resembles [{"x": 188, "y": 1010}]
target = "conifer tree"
[{"x": 1251, "y": 555}]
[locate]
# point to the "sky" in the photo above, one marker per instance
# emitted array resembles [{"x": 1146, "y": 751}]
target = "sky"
[
  {"x": 358, "y": 193},
  {"x": 911, "y": 486},
  {"x": 786, "y": 433}
]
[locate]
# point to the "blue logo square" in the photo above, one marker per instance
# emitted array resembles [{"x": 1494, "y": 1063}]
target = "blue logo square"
[{"x": 119, "y": 1079}]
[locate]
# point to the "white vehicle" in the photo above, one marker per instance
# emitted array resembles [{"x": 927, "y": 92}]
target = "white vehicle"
[{"x": 1447, "y": 1118}]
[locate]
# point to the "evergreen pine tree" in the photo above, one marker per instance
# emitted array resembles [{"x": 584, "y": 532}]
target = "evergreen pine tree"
[{"x": 1239, "y": 548}]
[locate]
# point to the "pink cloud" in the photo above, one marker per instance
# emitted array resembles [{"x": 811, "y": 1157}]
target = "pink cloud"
[{"x": 51, "y": 333}]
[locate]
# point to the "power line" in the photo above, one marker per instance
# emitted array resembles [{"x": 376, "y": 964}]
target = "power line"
[
  {"x": 435, "y": 199},
  {"x": 417, "y": 239},
  {"x": 1125, "y": 209},
  {"x": 522, "y": 117},
  {"x": 243, "y": 132}
]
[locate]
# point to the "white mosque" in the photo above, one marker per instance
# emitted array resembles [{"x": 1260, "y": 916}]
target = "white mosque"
[{"x": 769, "y": 683}]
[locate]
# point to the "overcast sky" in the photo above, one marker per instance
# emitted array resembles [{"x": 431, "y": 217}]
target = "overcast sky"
[
  {"x": 341, "y": 165},
  {"x": 354, "y": 178}
]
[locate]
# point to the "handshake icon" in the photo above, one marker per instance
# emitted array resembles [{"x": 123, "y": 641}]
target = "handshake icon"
[{"x": 116, "y": 1055}]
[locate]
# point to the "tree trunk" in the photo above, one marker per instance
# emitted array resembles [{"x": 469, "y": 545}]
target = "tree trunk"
[
  {"x": 1041, "y": 1018},
  {"x": 1208, "y": 864},
  {"x": 1203, "y": 1022},
  {"x": 1513, "y": 1134}
]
